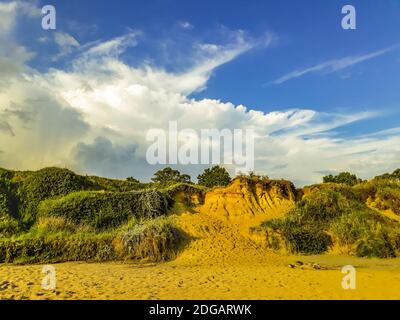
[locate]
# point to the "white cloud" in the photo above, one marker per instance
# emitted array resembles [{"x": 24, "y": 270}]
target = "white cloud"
[
  {"x": 65, "y": 40},
  {"x": 332, "y": 65},
  {"x": 186, "y": 25},
  {"x": 66, "y": 43}
]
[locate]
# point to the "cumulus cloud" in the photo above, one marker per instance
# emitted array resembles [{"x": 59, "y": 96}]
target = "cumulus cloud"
[{"x": 94, "y": 115}]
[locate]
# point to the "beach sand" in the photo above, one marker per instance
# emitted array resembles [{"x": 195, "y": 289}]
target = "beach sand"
[{"x": 220, "y": 262}]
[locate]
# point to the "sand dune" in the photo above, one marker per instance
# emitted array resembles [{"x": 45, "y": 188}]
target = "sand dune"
[{"x": 221, "y": 262}]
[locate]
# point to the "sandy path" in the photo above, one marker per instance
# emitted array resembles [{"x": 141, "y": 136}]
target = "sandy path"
[{"x": 220, "y": 263}]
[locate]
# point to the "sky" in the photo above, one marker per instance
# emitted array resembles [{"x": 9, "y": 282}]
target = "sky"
[{"x": 321, "y": 99}]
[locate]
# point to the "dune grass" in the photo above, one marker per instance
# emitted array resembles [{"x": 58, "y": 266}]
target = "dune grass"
[{"x": 329, "y": 216}]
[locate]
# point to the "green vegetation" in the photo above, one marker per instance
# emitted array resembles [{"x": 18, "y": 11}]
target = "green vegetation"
[
  {"x": 56, "y": 240},
  {"x": 168, "y": 176},
  {"x": 395, "y": 176},
  {"x": 55, "y": 215},
  {"x": 343, "y": 177},
  {"x": 214, "y": 177},
  {"x": 157, "y": 240},
  {"x": 102, "y": 210},
  {"x": 335, "y": 214}
]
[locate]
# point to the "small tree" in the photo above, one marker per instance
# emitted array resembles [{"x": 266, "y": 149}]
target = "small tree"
[
  {"x": 343, "y": 177},
  {"x": 132, "y": 179},
  {"x": 392, "y": 176},
  {"x": 169, "y": 175},
  {"x": 396, "y": 174},
  {"x": 216, "y": 176}
]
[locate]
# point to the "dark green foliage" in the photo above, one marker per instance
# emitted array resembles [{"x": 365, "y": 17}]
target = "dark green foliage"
[
  {"x": 132, "y": 179},
  {"x": 367, "y": 231},
  {"x": 170, "y": 176},
  {"x": 321, "y": 207},
  {"x": 57, "y": 249},
  {"x": 214, "y": 177},
  {"x": 394, "y": 176},
  {"x": 378, "y": 247},
  {"x": 326, "y": 215},
  {"x": 102, "y": 210},
  {"x": 156, "y": 240},
  {"x": 9, "y": 227},
  {"x": 45, "y": 184},
  {"x": 343, "y": 177},
  {"x": 8, "y": 197},
  {"x": 115, "y": 185},
  {"x": 307, "y": 240}
]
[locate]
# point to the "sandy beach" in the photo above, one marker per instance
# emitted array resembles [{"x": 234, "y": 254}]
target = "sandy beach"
[{"x": 221, "y": 263}]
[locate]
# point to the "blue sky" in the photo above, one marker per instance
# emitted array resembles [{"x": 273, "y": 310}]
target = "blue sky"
[
  {"x": 307, "y": 33},
  {"x": 270, "y": 56}
]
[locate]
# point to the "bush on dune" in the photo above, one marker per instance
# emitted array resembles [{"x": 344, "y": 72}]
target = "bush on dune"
[
  {"x": 115, "y": 185},
  {"x": 384, "y": 194},
  {"x": 156, "y": 240},
  {"x": 45, "y": 184},
  {"x": 57, "y": 248},
  {"x": 104, "y": 210},
  {"x": 325, "y": 217}
]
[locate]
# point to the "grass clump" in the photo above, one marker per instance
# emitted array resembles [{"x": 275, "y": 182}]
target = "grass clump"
[{"x": 156, "y": 240}]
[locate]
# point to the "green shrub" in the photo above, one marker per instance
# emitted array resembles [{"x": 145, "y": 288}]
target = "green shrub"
[
  {"x": 351, "y": 227},
  {"x": 102, "y": 210},
  {"x": 8, "y": 197},
  {"x": 307, "y": 240},
  {"x": 9, "y": 227},
  {"x": 115, "y": 185},
  {"x": 169, "y": 176},
  {"x": 343, "y": 177},
  {"x": 321, "y": 207},
  {"x": 378, "y": 247},
  {"x": 385, "y": 193},
  {"x": 57, "y": 249},
  {"x": 214, "y": 177},
  {"x": 51, "y": 225},
  {"x": 156, "y": 240},
  {"x": 326, "y": 215},
  {"x": 45, "y": 184}
]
